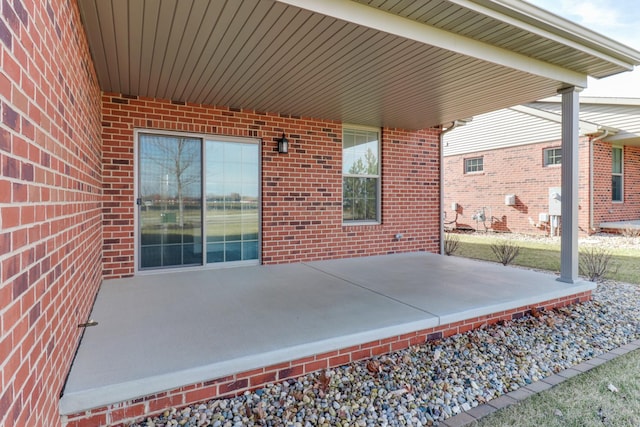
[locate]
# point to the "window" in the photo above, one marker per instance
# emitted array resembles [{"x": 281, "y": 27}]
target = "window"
[
  {"x": 360, "y": 175},
  {"x": 474, "y": 164},
  {"x": 616, "y": 172},
  {"x": 552, "y": 156}
]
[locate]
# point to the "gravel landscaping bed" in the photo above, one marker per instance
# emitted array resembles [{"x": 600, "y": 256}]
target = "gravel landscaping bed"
[{"x": 426, "y": 384}]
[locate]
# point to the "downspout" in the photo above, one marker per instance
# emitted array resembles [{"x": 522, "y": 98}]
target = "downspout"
[
  {"x": 454, "y": 124},
  {"x": 603, "y": 135}
]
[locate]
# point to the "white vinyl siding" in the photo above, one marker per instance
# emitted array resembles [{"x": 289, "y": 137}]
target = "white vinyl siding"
[{"x": 499, "y": 129}]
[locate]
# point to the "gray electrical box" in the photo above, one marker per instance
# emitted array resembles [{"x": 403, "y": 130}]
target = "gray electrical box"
[{"x": 555, "y": 207}]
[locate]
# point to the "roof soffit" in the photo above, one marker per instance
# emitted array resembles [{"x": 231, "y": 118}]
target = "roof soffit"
[{"x": 282, "y": 57}]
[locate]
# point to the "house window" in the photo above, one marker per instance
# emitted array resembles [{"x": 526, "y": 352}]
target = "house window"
[
  {"x": 474, "y": 164},
  {"x": 617, "y": 173},
  {"x": 552, "y": 156},
  {"x": 360, "y": 175}
]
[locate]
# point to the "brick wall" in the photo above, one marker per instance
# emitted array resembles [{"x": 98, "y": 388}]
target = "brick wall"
[
  {"x": 301, "y": 190},
  {"x": 514, "y": 170},
  {"x": 50, "y": 190},
  {"x": 605, "y": 209}
]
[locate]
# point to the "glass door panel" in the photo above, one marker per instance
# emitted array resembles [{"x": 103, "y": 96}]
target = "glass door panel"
[
  {"x": 170, "y": 201},
  {"x": 232, "y": 207}
]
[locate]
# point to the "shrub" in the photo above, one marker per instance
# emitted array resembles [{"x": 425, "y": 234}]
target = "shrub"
[
  {"x": 505, "y": 251},
  {"x": 451, "y": 243},
  {"x": 631, "y": 232},
  {"x": 595, "y": 263}
]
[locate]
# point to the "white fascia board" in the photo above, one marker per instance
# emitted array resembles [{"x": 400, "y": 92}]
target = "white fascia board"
[
  {"x": 625, "y": 138},
  {"x": 610, "y": 101},
  {"x": 549, "y": 25},
  {"x": 599, "y": 100},
  {"x": 586, "y": 128},
  {"x": 370, "y": 17}
]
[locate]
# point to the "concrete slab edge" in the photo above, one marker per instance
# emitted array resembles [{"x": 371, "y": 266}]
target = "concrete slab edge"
[
  {"x": 75, "y": 402},
  {"x": 580, "y": 287},
  {"x": 71, "y": 403}
]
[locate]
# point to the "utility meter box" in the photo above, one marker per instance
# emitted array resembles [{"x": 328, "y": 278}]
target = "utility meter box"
[
  {"x": 555, "y": 195},
  {"x": 510, "y": 200}
]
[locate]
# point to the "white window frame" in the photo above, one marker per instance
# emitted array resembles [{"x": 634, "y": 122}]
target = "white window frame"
[
  {"x": 378, "y": 177},
  {"x": 620, "y": 174},
  {"x": 467, "y": 162},
  {"x": 545, "y": 156}
]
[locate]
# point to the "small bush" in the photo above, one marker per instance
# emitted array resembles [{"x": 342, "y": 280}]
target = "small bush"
[
  {"x": 595, "y": 263},
  {"x": 631, "y": 232},
  {"x": 505, "y": 251},
  {"x": 451, "y": 243}
]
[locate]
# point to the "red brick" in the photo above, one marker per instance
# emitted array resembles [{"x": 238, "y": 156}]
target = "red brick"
[
  {"x": 360, "y": 354},
  {"x": 226, "y": 388},
  {"x": 10, "y": 217},
  {"x": 417, "y": 340},
  {"x": 174, "y": 400},
  {"x": 340, "y": 360},
  {"x": 262, "y": 379},
  {"x": 201, "y": 394},
  {"x": 127, "y": 412},
  {"x": 381, "y": 349},
  {"x": 292, "y": 372},
  {"x": 315, "y": 366},
  {"x": 399, "y": 345},
  {"x": 94, "y": 420},
  {"x": 326, "y": 355},
  {"x": 277, "y": 367},
  {"x": 250, "y": 373}
]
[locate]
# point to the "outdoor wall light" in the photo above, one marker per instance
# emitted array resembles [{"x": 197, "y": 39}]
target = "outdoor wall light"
[{"x": 283, "y": 144}]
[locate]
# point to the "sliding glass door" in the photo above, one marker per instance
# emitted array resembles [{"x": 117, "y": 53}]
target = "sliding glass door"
[{"x": 175, "y": 175}]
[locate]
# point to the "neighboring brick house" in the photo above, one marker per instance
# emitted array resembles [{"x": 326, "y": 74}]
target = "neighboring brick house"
[
  {"x": 501, "y": 168},
  {"x": 108, "y": 114}
]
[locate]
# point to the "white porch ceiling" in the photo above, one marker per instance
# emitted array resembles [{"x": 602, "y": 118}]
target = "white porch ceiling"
[{"x": 397, "y": 63}]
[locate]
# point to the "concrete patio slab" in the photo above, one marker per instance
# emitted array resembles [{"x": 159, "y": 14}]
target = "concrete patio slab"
[
  {"x": 162, "y": 331},
  {"x": 445, "y": 286}
]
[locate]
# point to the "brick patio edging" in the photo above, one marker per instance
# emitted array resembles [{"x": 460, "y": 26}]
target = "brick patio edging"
[
  {"x": 475, "y": 414},
  {"x": 124, "y": 413}
]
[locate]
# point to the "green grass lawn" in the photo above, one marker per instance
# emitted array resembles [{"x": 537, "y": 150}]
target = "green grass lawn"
[
  {"x": 582, "y": 401},
  {"x": 625, "y": 262}
]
